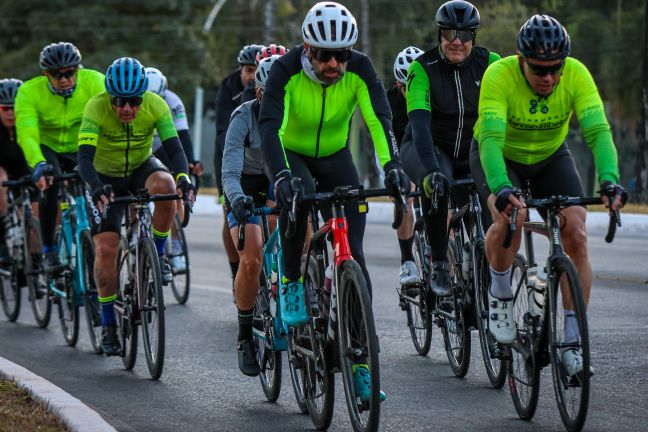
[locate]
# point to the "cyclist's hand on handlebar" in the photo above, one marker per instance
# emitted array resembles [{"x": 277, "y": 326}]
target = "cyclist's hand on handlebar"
[
  {"x": 397, "y": 182},
  {"x": 507, "y": 198},
  {"x": 283, "y": 189},
  {"x": 102, "y": 196},
  {"x": 242, "y": 208},
  {"x": 436, "y": 181},
  {"x": 42, "y": 176},
  {"x": 185, "y": 188},
  {"x": 613, "y": 195}
]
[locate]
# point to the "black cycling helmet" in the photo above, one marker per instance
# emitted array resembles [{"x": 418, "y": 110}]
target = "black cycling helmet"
[
  {"x": 59, "y": 55},
  {"x": 457, "y": 14},
  {"x": 247, "y": 55},
  {"x": 8, "y": 90},
  {"x": 542, "y": 37}
]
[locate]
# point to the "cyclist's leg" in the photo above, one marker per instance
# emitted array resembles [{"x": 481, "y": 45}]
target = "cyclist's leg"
[
  {"x": 4, "y": 253},
  {"x": 405, "y": 233},
  {"x": 482, "y": 187},
  {"x": 49, "y": 214},
  {"x": 228, "y": 244}
]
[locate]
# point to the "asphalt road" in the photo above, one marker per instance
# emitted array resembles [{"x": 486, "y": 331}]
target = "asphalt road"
[{"x": 202, "y": 389}]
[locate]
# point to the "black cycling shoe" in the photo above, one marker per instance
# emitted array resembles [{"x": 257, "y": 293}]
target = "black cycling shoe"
[
  {"x": 52, "y": 265},
  {"x": 440, "y": 280},
  {"x": 247, "y": 358},
  {"x": 165, "y": 270},
  {"x": 109, "y": 341},
  {"x": 4, "y": 255}
]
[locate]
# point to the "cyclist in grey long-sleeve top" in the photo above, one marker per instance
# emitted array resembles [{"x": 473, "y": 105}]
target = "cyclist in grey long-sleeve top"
[{"x": 243, "y": 176}]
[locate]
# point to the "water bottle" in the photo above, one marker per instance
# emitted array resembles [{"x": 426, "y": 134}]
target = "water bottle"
[
  {"x": 536, "y": 285},
  {"x": 273, "y": 280},
  {"x": 465, "y": 264},
  {"x": 328, "y": 281}
]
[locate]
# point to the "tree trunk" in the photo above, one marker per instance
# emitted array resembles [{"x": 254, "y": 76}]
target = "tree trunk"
[{"x": 641, "y": 174}]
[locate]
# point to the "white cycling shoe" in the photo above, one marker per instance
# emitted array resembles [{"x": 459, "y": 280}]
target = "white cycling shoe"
[
  {"x": 409, "y": 274},
  {"x": 178, "y": 264},
  {"x": 500, "y": 319},
  {"x": 572, "y": 362}
]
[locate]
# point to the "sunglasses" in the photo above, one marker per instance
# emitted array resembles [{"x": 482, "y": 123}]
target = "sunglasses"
[
  {"x": 545, "y": 70},
  {"x": 58, "y": 75},
  {"x": 324, "y": 55},
  {"x": 6, "y": 108},
  {"x": 121, "y": 102},
  {"x": 464, "y": 35}
]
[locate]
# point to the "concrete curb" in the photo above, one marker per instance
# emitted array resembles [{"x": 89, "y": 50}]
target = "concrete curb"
[
  {"x": 77, "y": 416},
  {"x": 635, "y": 225}
]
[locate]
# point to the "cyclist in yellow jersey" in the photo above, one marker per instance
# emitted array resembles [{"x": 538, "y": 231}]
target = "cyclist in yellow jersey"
[
  {"x": 48, "y": 115},
  {"x": 115, "y": 145},
  {"x": 525, "y": 105}
]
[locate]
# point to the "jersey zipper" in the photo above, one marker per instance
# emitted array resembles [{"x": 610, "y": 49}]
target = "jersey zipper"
[
  {"x": 64, "y": 131},
  {"x": 319, "y": 129},
  {"x": 461, "y": 113},
  {"x": 127, "y": 148}
]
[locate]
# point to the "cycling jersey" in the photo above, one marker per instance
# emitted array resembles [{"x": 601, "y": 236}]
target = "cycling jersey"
[
  {"x": 313, "y": 119},
  {"x": 518, "y": 125},
  {"x": 43, "y": 117},
  {"x": 178, "y": 113},
  {"x": 398, "y": 107},
  {"x": 120, "y": 147},
  {"x": 11, "y": 156},
  {"x": 450, "y": 92}
]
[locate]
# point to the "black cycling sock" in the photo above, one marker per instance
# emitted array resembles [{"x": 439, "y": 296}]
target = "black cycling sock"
[
  {"x": 3, "y": 229},
  {"x": 234, "y": 265},
  {"x": 406, "y": 249},
  {"x": 245, "y": 319}
]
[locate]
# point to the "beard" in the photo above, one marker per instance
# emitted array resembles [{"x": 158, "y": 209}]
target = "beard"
[{"x": 340, "y": 69}]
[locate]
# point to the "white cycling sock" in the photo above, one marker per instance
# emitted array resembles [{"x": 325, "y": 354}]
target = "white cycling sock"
[
  {"x": 501, "y": 284},
  {"x": 571, "y": 327}
]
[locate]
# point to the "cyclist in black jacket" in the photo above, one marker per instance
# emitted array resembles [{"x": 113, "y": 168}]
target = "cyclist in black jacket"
[{"x": 442, "y": 97}]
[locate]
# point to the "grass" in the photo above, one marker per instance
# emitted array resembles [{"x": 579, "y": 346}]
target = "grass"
[{"x": 20, "y": 412}]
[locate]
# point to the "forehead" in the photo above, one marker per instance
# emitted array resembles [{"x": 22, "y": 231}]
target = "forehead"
[{"x": 248, "y": 68}]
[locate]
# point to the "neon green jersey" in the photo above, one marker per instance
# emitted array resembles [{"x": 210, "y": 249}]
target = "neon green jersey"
[
  {"x": 123, "y": 147},
  {"x": 516, "y": 124},
  {"x": 43, "y": 117}
]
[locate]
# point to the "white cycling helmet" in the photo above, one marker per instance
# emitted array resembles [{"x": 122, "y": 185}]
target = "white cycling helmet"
[
  {"x": 263, "y": 70},
  {"x": 403, "y": 61},
  {"x": 157, "y": 82},
  {"x": 330, "y": 25}
]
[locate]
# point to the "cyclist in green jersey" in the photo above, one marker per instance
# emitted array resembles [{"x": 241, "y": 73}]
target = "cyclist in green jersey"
[
  {"x": 525, "y": 106},
  {"x": 115, "y": 145},
  {"x": 48, "y": 115}
]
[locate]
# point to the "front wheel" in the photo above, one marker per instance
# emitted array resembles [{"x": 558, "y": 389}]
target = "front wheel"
[
  {"x": 10, "y": 292},
  {"x": 415, "y": 300},
  {"x": 178, "y": 256},
  {"x": 68, "y": 309},
  {"x": 151, "y": 307},
  {"x": 268, "y": 357},
  {"x": 358, "y": 345},
  {"x": 571, "y": 389},
  {"x": 36, "y": 279},
  {"x": 125, "y": 305},
  {"x": 91, "y": 305}
]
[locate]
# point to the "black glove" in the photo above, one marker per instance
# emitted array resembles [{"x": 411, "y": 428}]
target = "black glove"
[
  {"x": 242, "y": 208},
  {"x": 396, "y": 181},
  {"x": 103, "y": 191},
  {"x": 503, "y": 195},
  {"x": 185, "y": 185},
  {"x": 611, "y": 190},
  {"x": 283, "y": 190},
  {"x": 436, "y": 181}
]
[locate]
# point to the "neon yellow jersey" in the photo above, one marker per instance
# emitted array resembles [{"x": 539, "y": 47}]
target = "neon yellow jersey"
[
  {"x": 43, "y": 117},
  {"x": 516, "y": 124},
  {"x": 123, "y": 147}
]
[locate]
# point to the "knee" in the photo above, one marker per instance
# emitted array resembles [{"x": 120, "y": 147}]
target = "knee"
[
  {"x": 160, "y": 183},
  {"x": 574, "y": 239},
  {"x": 250, "y": 264}
]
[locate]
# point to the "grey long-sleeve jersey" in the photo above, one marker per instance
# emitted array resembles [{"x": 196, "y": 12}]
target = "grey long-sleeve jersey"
[{"x": 242, "y": 153}]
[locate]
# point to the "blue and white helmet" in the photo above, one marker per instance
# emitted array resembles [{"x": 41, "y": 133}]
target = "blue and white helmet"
[
  {"x": 263, "y": 71},
  {"x": 157, "y": 82},
  {"x": 403, "y": 61},
  {"x": 126, "y": 77}
]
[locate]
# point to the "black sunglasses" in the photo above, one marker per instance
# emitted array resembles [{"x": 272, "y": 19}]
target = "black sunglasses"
[
  {"x": 58, "y": 75},
  {"x": 324, "y": 55},
  {"x": 545, "y": 70},
  {"x": 6, "y": 107},
  {"x": 464, "y": 35},
  {"x": 133, "y": 101}
]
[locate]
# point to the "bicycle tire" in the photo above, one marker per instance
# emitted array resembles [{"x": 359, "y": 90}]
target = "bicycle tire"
[
  {"x": 125, "y": 310},
  {"x": 268, "y": 357},
  {"x": 298, "y": 380},
  {"x": 492, "y": 354},
  {"x": 68, "y": 311},
  {"x": 456, "y": 333},
  {"x": 91, "y": 301},
  {"x": 523, "y": 368},
  {"x": 317, "y": 375},
  {"x": 181, "y": 281},
  {"x": 571, "y": 405},
  {"x": 354, "y": 303},
  {"x": 10, "y": 293},
  {"x": 417, "y": 308},
  {"x": 152, "y": 307},
  {"x": 36, "y": 280}
]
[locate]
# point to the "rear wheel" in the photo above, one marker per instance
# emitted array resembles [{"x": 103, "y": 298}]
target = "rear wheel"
[
  {"x": 358, "y": 345},
  {"x": 125, "y": 305},
  {"x": 179, "y": 260},
  {"x": 36, "y": 279},
  {"x": 492, "y": 352},
  {"x": 524, "y": 371},
  {"x": 10, "y": 292},
  {"x": 91, "y": 306},
  {"x": 415, "y": 300},
  {"x": 572, "y": 392},
  {"x": 152, "y": 308}
]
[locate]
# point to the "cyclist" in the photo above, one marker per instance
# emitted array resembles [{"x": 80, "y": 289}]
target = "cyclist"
[
  {"x": 243, "y": 176},
  {"x": 396, "y": 96},
  {"x": 308, "y": 102},
  {"x": 48, "y": 115},
  {"x": 525, "y": 106},
  {"x": 12, "y": 160},
  {"x": 157, "y": 83},
  {"x": 115, "y": 155},
  {"x": 249, "y": 93},
  {"x": 442, "y": 95},
  {"x": 229, "y": 97}
]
